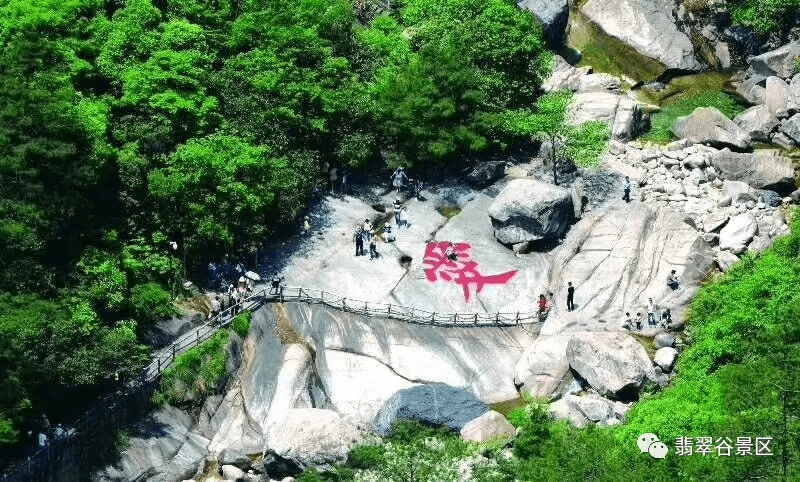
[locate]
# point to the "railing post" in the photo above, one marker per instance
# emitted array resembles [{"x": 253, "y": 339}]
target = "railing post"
[
  {"x": 476, "y": 318},
  {"x": 198, "y": 337},
  {"x": 389, "y": 309},
  {"x": 433, "y": 318},
  {"x": 497, "y": 318},
  {"x": 173, "y": 352},
  {"x": 365, "y": 307},
  {"x": 281, "y": 292},
  {"x": 159, "y": 366},
  {"x": 518, "y": 317},
  {"x": 412, "y": 313}
]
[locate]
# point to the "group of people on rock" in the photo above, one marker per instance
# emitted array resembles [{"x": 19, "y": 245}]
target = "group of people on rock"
[
  {"x": 232, "y": 298},
  {"x": 400, "y": 178},
  {"x": 664, "y": 322}
]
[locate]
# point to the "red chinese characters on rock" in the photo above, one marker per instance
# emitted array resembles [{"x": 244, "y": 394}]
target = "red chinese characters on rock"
[{"x": 451, "y": 262}]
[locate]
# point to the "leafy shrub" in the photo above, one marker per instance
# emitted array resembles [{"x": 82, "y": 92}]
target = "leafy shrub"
[
  {"x": 151, "y": 303},
  {"x": 195, "y": 373},
  {"x": 763, "y": 16},
  {"x": 661, "y": 122},
  {"x": 241, "y": 324}
]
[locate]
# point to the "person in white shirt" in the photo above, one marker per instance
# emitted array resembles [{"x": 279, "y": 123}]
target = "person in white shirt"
[
  {"x": 627, "y": 322},
  {"x": 651, "y": 312}
]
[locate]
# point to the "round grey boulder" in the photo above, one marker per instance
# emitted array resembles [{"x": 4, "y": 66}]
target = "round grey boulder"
[
  {"x": 529, "y": 210},
  {"x": 432, "y": 405}
]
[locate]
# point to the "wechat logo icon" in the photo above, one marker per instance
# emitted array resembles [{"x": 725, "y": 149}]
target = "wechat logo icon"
[{"x": 649, "y": 442}]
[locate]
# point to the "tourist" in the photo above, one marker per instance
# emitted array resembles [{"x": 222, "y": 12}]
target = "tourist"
[
  {"x": 358, "y": 237},
  {"x": 397, "y": 206},
  {"x": 345, "y": 173},
  {"x": 215, "y": 306},
  {"x": 627, "y": 323},
  {"x": 627, "y": 196},
  {"x": 651, "y": 312},
  {"x": 570, "y": 297},
  {"x": 450, "y": 252},
  {"x": 416, "y": 188},
  {"x": 373, "y": 252},
  {"x": 639, "y": 320},
  {"x": 672, "y": 280},
  {"x": 399, "y": 178},
  {"x": 403, "y": 218},
  {"x": 276, "y": 285},
  {"x": 307, "y": 226},
  {"x": 544, "y": 307},
  {"x": 367, "y": 233},
  {"x": 315, "y": 193},
  {"x": 333, "y": 177},
  {"x": 388, "y": 234},
  {"x": 666, "y": 319}
]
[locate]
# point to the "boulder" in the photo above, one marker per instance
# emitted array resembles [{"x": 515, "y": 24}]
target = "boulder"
[
  {"x": 791, "y": 127},
  {"x": 490, "y": 425},
  {"x": 759, "y": 244},
  {"x": 737, "y": 233},
  {"x": 310, "y": 436},
  {"x": 614, "y": 364},
  {"x": 695, "y": 161},
  {"x": 665, "y": 358},
  {"x": 739, "y": 192},
  {"x": 709, "y": 125},
  {"x": 486, "y": 173},
  {"x": 664, "y": 340},
  {"x": 724, "y": 260},
  {"x": 595, "y": 409},
  {"x": 714, "y": 221},
  {"x": 553, "y": 15},
  {"x": 229, "y": 472},
  {"x": 563, "y": 410},
  {"x": 752, "y": 91},
  {"x": 793, "y": 100},
  {"x": 598, "y": 83},
  {"x": 777, "y": 96},
  {"x": 778, "y": 62},
  {"x": 782, "y": 140},
  {"x": 276, "y": 466},
  {"x": 622, "y": 113},
  {"x": 757, "y": 122},
  {"x": 771, "y": 198},
  {"x": 757, "y": 170},
  {"x": 237, "y": 459},
  {"x": 529, "y": 210},
  {"x": 543, "y": 369},
  {"x": 565, "y": 76},
  {"x": 433, "y": 404},
  {"x": 723, "y": 54},
  {"x": 648, "y": 27}
]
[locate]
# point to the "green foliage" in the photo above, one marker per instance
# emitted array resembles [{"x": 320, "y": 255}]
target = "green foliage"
[
  {"x": 151, "y": 303},
  {"x": 122, "y": 440},
  {"x": 763, "y": 16},
  {"x": 241, "y": 324},
  {"x": 195, "y": 374},
  {"x": 662, "y": 121},
  {"x": 584, "y": 144}
]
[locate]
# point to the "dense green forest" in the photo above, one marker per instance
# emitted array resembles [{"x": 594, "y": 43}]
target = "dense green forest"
[
  {"x": 737, "y": 377},
  {"x": 127, "y": 125}
]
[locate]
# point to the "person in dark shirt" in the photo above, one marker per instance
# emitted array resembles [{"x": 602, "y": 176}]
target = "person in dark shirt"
[{"x": 570, "y": 297}]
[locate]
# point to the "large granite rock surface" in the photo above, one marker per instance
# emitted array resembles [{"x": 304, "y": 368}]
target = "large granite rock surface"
[
  {"x": 760, "y": 171},
  {"x": 621, "y": 112},
  {"x": 552, "y": 14},
  {"x": 758, "y": 122},
  {"x": 648, "y": 27}
]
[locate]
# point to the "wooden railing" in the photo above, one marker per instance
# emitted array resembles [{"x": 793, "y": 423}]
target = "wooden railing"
[{"x": 35, "y": 465}]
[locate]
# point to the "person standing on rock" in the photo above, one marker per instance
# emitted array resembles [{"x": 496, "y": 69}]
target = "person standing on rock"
[
  {"x": 651, "y": 312},
  {"x": 402, "y": 218},
  {"x": 359, "y": 239},
  {"x": 367, "y": 230},
  {"x": 215, "y": 306},
  {"x": 373, "y": 251},
  {"x": 397, "y": 206},
  {"x": 570, "y": 297},
  {"x": 388, "y": 234},
  {"x": 627, "y": 196},
  {"x": 334, "y": 176},
  {"x": 399, "y": 178},
  {"x": 345, "y": 173},
  {"x": 639, "y": 320}
]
